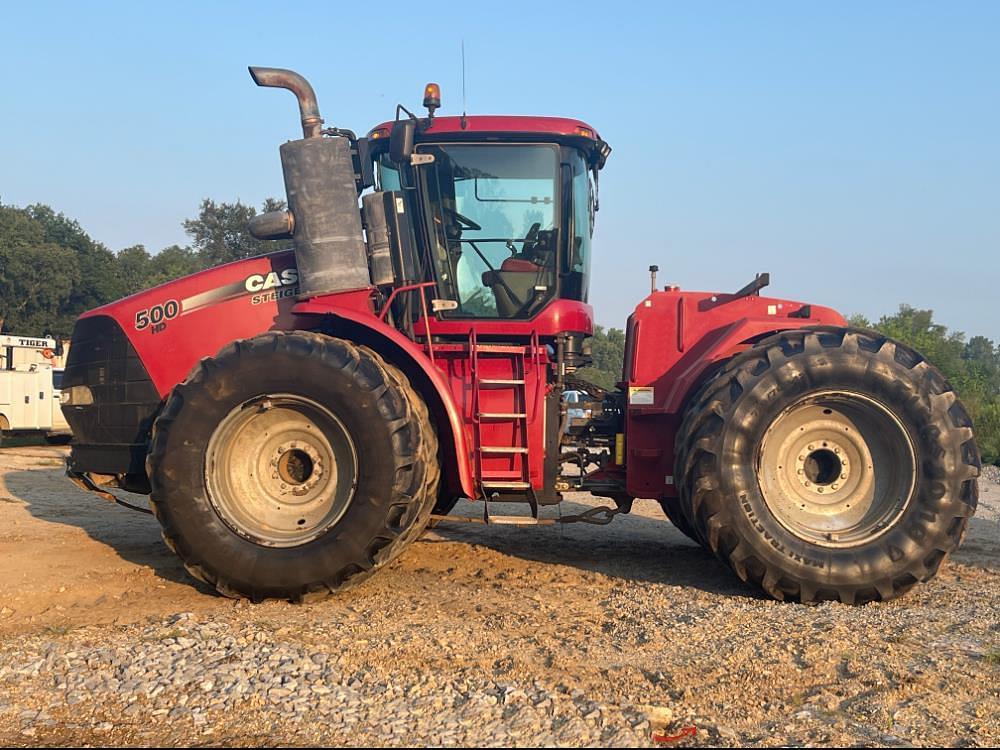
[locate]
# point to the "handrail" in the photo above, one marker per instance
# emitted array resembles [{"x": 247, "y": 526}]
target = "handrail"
[
  {"x": 400, "y": 290},
  {"x": 536, "y": 364},
  {"x": 423, "y": 308}
]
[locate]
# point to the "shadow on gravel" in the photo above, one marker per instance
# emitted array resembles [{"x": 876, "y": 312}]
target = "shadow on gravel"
[
  {"x": 135, "y": 537},
  {"x": 979, "y": 548},
  {"x": 631, "y": 547},
  {"x": 635, "y": 548}
]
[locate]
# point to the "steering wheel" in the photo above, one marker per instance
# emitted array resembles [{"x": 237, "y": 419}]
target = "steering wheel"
[
  {"x": 531, "y": 236},
  {"x": 480, "y": 297}
]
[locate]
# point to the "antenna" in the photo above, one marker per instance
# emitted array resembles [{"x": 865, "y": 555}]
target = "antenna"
[{"x": 463, "y": 86}]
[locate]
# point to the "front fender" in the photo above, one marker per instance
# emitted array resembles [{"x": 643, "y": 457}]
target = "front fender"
[{"x": 365, "y": 328}]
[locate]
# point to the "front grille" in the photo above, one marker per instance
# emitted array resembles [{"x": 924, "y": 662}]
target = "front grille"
[{"x": 110, "y": 435}]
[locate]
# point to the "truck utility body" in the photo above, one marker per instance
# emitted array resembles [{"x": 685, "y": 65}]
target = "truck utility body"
[
  {"x": 298, "y": 417},
  {"x": 29, "y": 391}
]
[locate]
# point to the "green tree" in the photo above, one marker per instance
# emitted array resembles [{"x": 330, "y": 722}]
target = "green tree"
[
  {"x": 37, "y": 276},
  {"x": 219, "y": 233},
  {"x": 133, "y": 268},
  {"x": 608, "y": 353},
  {"x": 972, "y": 368},
  {"x": 172, "y": 263},
  {"x": 97, "y": 282}
]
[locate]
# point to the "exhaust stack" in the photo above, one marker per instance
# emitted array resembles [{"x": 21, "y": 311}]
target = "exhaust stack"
[
  {"x": 281, "y": 78},
  {"x": 323, "y": 218}
]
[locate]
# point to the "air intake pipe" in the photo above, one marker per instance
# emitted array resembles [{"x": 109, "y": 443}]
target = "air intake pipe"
[{"x": 323, "y": 217}]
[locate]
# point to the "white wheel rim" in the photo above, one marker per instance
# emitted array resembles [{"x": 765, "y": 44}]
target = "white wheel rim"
[
  {"x": 836, "y": 469},
  {"x": 281, "y": 470}
]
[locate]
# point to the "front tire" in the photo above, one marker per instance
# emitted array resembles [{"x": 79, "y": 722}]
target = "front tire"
[
  {"x": 291, "y": 465},
  {"x": 828, "y": 464}
]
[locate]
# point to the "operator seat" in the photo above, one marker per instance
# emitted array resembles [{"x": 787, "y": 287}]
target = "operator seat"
[{"x": 514, "y": 284}]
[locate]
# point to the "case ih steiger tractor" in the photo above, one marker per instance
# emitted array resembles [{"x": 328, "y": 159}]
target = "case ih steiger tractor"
[{"x": 298, "y": 417}]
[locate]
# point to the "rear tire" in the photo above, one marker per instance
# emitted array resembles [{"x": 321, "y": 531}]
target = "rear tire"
[
  {"x": 291, "y": 465},
  {"x": 876, "y": 496}
]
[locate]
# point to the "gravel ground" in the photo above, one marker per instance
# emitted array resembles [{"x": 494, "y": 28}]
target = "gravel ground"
[{"x": 583, "y": 635}]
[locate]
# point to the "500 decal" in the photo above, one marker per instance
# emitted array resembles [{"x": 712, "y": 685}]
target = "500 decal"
[{"x": 156, "y": 315}]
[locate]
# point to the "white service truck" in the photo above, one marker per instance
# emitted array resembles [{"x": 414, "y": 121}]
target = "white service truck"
[{"x": 29, "y": 388}]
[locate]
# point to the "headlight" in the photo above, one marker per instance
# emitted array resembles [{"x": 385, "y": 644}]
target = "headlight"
[{"x": 77, "y": 395}]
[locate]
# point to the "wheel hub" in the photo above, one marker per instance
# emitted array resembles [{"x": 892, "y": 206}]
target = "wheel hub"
[
  {"x": 281, "y": 470},
  {"x": 297, "y": 467},
  {"x": 836, "y": 468},
  {"x": 823, "y": 468}
]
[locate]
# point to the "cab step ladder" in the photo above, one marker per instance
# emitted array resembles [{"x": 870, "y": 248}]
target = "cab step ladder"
[{"x": 492, "y": 483}]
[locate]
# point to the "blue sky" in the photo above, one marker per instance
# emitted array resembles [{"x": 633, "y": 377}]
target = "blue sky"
[{"x": 852, "y": 149}]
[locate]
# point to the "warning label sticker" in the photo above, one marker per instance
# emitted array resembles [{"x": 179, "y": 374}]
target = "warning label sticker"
[{"x": 641, "y": 396}]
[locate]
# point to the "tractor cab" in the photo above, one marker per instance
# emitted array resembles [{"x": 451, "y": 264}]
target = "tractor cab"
[{"x": 503, "y": 208}]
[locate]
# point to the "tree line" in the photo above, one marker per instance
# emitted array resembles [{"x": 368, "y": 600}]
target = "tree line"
[{"x": 51, "y": 271}]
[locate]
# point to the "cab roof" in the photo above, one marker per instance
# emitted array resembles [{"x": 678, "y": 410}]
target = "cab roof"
[{"x": 510, "y": 125}]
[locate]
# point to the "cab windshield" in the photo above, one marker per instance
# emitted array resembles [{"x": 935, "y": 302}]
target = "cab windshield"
[{"x": 493, "y": 214}]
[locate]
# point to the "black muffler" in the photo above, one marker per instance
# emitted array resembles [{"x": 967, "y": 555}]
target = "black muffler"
[{"x": 323, "y": 216}]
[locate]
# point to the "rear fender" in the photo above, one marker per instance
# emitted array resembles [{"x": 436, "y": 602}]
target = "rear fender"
[
  {"x": 365, "y": 328},
  {"x": 675, "y": 341}
]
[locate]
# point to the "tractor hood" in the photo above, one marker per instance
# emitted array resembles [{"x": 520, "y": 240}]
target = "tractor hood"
[
  {"x": 254, "y": 281},
  {"x": 171, "y": 326}
]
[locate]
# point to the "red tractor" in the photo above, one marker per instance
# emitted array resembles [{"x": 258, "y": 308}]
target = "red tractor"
[{"x": 298, "y": 417}]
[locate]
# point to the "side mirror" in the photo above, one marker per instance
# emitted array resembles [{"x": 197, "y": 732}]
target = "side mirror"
[{"x": 401, "y": 141}]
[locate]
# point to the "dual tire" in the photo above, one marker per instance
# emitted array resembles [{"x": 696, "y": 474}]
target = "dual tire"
[
  {"x": 827, "y": 464},
  {"x": 292, "y": 465}
]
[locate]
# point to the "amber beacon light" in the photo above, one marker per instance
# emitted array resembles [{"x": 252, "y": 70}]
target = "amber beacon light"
[{"x": 432, "y": 98}]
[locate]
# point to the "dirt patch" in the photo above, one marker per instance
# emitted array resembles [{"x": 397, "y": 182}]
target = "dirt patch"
[{"x": 476, "y": 635}]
